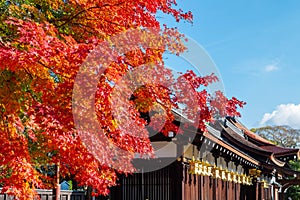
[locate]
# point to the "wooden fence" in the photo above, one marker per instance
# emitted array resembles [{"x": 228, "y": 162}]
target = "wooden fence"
[{"x": 47, "y": 195}]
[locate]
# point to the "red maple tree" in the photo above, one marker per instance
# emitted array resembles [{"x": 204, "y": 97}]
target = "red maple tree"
[{"x": 43, "y": 47}]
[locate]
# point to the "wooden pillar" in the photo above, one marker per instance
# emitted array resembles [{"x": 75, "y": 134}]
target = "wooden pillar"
[
  {"x": 223, "y": 190},
  {"x": 269, "y": 192},
  {"x": 56, "y": 189},
  {"x": 260, "y": 192},
  {"x": 281, "y": 194},
  {"x": 275, "y": 192},
  {"x": 202, "y": 191},
  {"x": 89, "y": 193},
  {"x": 229, "y": 190},
  {"x": 214, "y": 188},
  {"x": 177, "y": 181},
  {"x": 256, "y": 185},
  {"x": 252, "y": 193},
  {"x": 183, "y": 182},
  {"x": 238, "y": 191}
]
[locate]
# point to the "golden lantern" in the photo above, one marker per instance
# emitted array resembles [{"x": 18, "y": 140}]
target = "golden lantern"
[
  {"x": 209, "y": 171},
  {"x": 216, "y": 172},
  {"x": 206, "y": 171},
  {"x": 265, "y": 184},
  {"x": 244, "y": 179},
  {"x": 223, "y": 174},
  {"x": 264, "y": 181},
  {"x": 228, "y": 174},
  {"x": 239, "y": 178},
  {"x": 258, "y": 172},
  {"x": 199, "y": 167},
  {"x": 196, "y": 167},
  {"x": 254, "y": 172},
  {"x": 248, "y": 180},
  {"x": 192, "y": 166},
  {"x": 234, "y": 177}
]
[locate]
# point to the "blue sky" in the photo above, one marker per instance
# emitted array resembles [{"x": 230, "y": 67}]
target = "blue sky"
[{"x": 256, "y": 47}]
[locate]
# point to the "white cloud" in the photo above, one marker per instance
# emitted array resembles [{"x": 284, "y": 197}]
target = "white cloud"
[
  {"x": 271, "y": 68},
  {"x": 284, "y": 114}
]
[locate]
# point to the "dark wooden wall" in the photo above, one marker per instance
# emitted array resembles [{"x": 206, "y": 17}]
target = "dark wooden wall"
[
  {"x": 175, "y": 183},
  {"x": 163, "y": 184}
]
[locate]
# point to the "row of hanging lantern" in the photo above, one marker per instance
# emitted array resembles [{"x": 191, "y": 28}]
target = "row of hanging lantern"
[
  {"x": 218, "y": 168},
  {"x": 204, "y": 168}
]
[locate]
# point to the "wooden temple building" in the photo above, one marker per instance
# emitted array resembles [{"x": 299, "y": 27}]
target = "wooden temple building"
[{"x": 228, "y": 162}]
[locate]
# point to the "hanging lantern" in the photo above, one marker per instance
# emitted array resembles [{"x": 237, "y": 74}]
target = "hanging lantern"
[
  {"x": 223, "y": 174},
  {"x": 248, "y": 180},
  {"x": 258, "y": 172},
  {"x": 192, "y": 166},
  {"x": 239, "y": 178},
  {"x": 265, "y": 184},
  {"x": 216, "y": 172},
  {"x": 209, "y": 170},
  {"x": 234, "y": 177},
  {"x": 228, "y": 174},
  {"x": 244, "y": 179},
  {"x": 252, "y": 172},
  {"x": 195, "y": 167},
  {"x": 205, "y": 169},
  {"x": 198, "y": 169}
]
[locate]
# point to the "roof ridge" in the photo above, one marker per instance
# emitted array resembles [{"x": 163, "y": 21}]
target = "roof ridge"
[{"x": 251, "y": 134}]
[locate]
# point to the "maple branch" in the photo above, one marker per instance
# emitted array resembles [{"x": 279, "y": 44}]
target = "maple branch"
[
  {"x": 90, "y": 8},
  {"x": 84, "y": 25},
  {"x": 26, "y": 70},
  {"x": 30, "y": 91},
  {"x": 39, "y": 62},
  {"x": 115, "y": 23},
  {"x": 111, "y": 22},
  {"x": 87, "y": 29}
]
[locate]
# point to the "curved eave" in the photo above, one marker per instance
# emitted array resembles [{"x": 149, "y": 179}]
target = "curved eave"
[
  {"x": 282, "y": 151},
  {"x": 276, "y": 161},
  {"x": 243, "y": 144},
  {"x": 215, "y": 138},
  {"x": 230, "y": 148},
  {"x": 254, "y": 137},
  {"x": 295, "y": 152}
]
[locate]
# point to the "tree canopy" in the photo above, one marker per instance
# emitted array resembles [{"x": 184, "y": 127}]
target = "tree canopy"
[
  {"x": 43, "y": 46},
  {"x": 284, "y": 136}
]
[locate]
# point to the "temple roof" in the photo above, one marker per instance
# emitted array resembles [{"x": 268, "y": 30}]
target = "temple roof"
[
  {"x": 249, "y": 133},
  {"x": 262, "y": 143},
  {"x": 216, "y": 137},
  {"x": 235, "y": 137},
  {"x": 282, "y": 151},
  {"x": 235, "y": 142}
]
